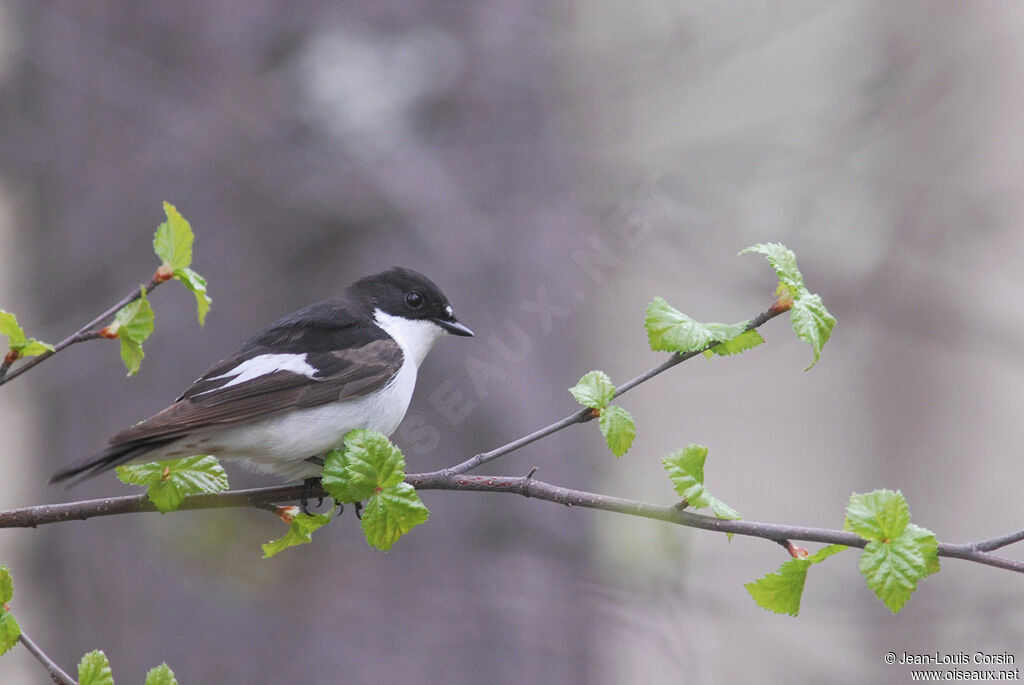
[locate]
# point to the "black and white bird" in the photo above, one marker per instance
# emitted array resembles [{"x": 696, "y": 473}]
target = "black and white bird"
[{"x": 293, "y": 390}]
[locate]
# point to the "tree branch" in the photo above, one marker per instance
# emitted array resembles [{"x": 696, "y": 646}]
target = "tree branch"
[
  {"x": 585, "y": 414},
  {"x": 57, "y": 675},
  {"x": 87, "y": 332},
  {"x": 527, "y": 486}
]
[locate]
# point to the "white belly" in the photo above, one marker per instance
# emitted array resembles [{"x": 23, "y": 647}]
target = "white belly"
[{"x": 281, "y": 444}]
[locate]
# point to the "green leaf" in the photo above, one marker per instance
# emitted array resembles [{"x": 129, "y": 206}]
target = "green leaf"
[
  {"x": 928, "y": 544},
  {"x": 369, "y": 463},
  {"x": 595, "y": 390},
  {"x": 6, "y": 586},
  {"x": 173, "y": 240},
  {"x": 391, "y": 514},
  {"x": 899, "y": 553},
  {"x": 811, "y": 322},
  {"x": 826, "y": 552},
  {"x": 618, "y": 428},
  {"x": 299, "y": 533},
  {"x": 169, "y": 482},
  {"x": 781, "y": 591},
  {"x": 685, "y": 469},
  {"x": 373, "y": 469},
  {"x": 16, "y": 340},
  {"x": 892, "y": 569},
  {"x": 9, "y": 326},
  {"x": 161, "y": 675},
  {"x": 10, "y": 631},
  {"x": 783, "y": 261},
  {"x": 335, "y": 479},
  {"x": 669, "y": 330},
  {"x": 879, "y": 515},
  {"x": 94, "y": 669},
  {"x": 197, "y": 284},
  {"x": 746, "y": 340},
  {"x": 132, "y": 324}
]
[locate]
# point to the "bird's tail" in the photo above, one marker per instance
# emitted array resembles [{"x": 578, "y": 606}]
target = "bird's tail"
[{"x": 95, "y": 464}]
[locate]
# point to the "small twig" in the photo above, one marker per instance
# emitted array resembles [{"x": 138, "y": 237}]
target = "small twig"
[
  {"x": 585, "y": 414},
  {"x": 56, "y": 673},
  {"x": 86, "y": 332}
]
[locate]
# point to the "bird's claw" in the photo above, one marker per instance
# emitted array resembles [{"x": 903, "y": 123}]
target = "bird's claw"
[{"x": 307, "y": 490}]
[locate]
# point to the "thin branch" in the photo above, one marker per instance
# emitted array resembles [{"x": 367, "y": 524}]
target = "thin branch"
[
  {"x": 87, "y": 332},
  {"x": 57, "y": 675},
  {"x": 585, "y": 414},
  {"x": 527, "y": 486}
]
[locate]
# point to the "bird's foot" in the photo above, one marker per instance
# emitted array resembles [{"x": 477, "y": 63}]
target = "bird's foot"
[{"x": 307, "y": 490}]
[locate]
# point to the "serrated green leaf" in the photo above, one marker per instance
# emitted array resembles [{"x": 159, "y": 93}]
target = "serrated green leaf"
[
  {"x": 6, "y": 586},
  {"x": 169, "y": 482},
  {"x": 746, "y": 340},
  {"x": 892, "y": 569},
  {"x": 335, "y": 479},
  {"x": 131, "y": 355},
  {"x": 899, "y": 553},
  {"x": 669, "y": 330},
  {"x": 173, "y": 240},
  {"x": 782, "y": 590},
  {"x": 722, "y": 510},
  {"x": 826, "y": 552},
  {"x": 94, "y": 669},
  {"x": 595, "y": 390},
  {"x": 10, "y": 631},
  {"x": 33, "y": 348},
  {"x": 369, "y": 463},
  {"x": 928, "y": 544},
  {"x": 16, "y": 339},
  {"x": 783, "y": 261},
  {"x": 879, "y": 515},
  {"x": 133, "y": 323},
  {"x": 392, "y": 513},
  {"x": 299, "y": 533},
  {"x": 685, "y": 469},
  {"x": 161, "y": 675},
  {"x": 135, "y": 319},
  {"x": 618, "y": 428},
  {"x": 812, "y": 323},
  {"x": 197, "y": 284},
  {"x": 9, "y": 326}
]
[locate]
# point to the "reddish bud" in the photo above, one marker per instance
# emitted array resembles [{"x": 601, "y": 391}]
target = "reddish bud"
[
  {"x": 797, "y": 552},
  {"x": 595, "y": 413},
  {"x": 11, "y": 356},
  {"x": 108, "y": 332},
  {"x": 163, "y": 273},
  {"x": 166, "y": 474}
]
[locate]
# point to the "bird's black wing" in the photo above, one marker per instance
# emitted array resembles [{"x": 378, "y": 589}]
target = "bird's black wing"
[{"x": 259, "y": 380}]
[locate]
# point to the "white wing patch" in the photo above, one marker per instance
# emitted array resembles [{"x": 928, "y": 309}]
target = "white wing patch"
[{"x": 262, "y": 365}]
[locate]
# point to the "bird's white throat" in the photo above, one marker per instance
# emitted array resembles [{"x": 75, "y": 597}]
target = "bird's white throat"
[{"x": 414, "y": 336}]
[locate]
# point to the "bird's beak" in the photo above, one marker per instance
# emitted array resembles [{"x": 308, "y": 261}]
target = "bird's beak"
[{"x": 453, "y": 327}]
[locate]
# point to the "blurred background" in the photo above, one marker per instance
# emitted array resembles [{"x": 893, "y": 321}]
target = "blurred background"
[{"x": 552, "y": 166}]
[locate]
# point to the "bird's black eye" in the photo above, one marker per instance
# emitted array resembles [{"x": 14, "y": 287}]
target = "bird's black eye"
[{"x": 414, "y": 299}]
